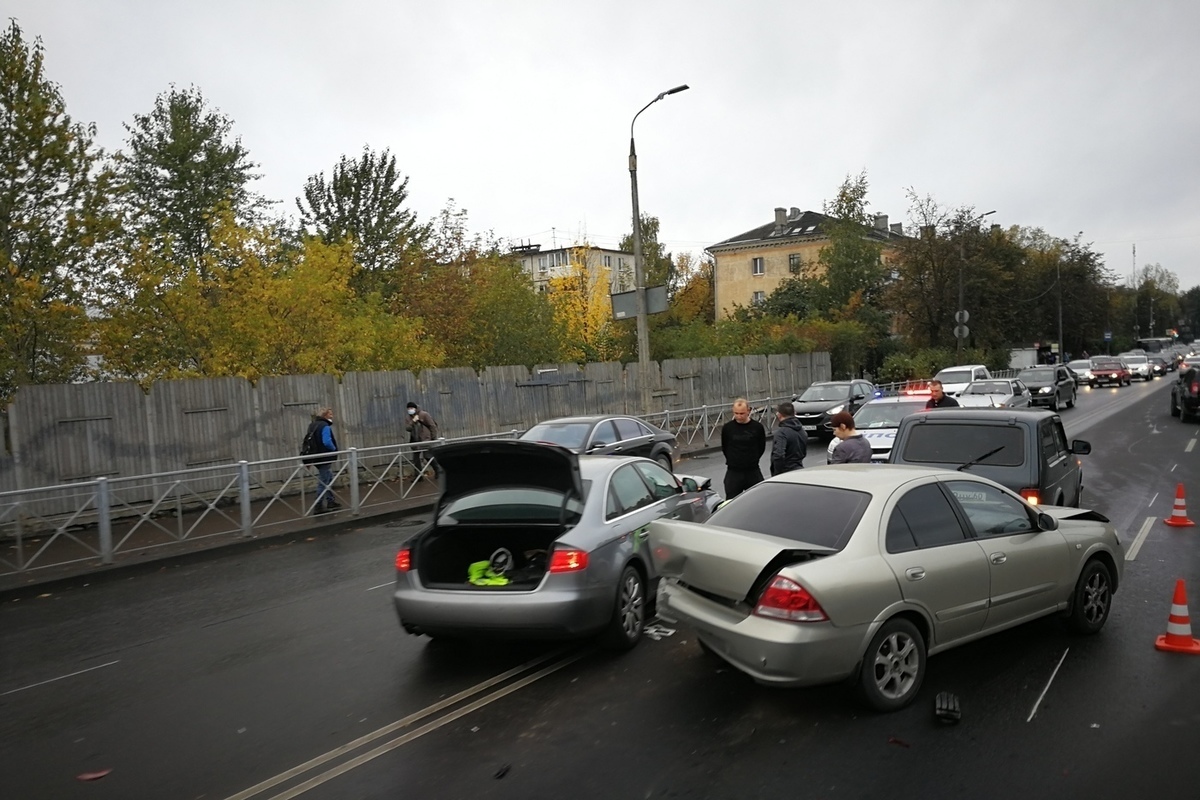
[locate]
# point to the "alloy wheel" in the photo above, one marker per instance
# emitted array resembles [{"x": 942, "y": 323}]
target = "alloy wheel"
[
  {"x": 1096, "y": 597},
  {"x": 632, "y": 608},
  {"x": 897, "y": 665}
]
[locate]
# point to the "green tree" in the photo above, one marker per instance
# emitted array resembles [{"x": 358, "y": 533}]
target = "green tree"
[
  {"x": 850, "y": 268},
  {"x": 52, "y": 199},
  {"x": 658, "y": 263},
  {"x": 363, "y": 201},
  {"x": 180, "y": 166}
]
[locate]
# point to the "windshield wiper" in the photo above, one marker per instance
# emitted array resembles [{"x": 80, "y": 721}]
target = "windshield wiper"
[{"x": 975, "y": 461}]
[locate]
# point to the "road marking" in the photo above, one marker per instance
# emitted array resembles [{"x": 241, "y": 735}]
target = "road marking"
[
  {"x": 1173, "y": 466},
  {"x": 1141, "y": 537},
  {"x": 1043, "y": 694},
  {"x": 400, "y": 723},
  {"x": 387, "y": 747},
  {"x": 60, "y": 677},
  {"x": 380, "y": 586},
  {"x": 1191, "y": 443},
  {"x": 1152, "y": 499}
]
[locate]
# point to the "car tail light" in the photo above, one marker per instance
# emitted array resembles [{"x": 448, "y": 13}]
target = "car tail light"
[
  {"x": 1195, "y": 387},
  {"x": 404, "y": 560},
  {"x": 568, "y": 560},
  {"x": 785, "y": 599},
  {"x": 1032, "y": 495}
]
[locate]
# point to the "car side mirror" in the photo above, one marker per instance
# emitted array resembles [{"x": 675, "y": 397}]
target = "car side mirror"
[
  {"x": 858, "y": 396},
  {"x": 1080, "y": 448},
  {"x": 1047, "y": 522},
  {"x": 690, "y": 485}
]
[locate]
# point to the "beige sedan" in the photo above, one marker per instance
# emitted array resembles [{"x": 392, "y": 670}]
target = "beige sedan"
[{"x": 862, "y": 571}]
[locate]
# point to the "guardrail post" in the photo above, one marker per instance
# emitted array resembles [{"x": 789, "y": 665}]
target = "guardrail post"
[
  {"x": 105, "y": 521},
  {"x": 244, "y": 492},
  {"x": 353, "y": 470},
  {"x": 704, "y": 422}
]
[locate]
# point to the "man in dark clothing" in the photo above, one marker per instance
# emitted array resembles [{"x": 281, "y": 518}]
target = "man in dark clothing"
[
  {"x": 321, "y": 432},
  {"x": 791, "y": 441},
  {"x": 938, "y": 398},
  {"x": 421, "y": 429},
  {"x": 743, "y": 441},
  {"x": 853, "y": 449}
]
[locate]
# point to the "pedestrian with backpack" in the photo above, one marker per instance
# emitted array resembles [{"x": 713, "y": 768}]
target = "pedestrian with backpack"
[
  {"x": 421, "y": 429},
  {"x": 318, "y": 450}
]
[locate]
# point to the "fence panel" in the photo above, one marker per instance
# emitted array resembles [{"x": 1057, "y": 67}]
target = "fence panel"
[
  {"x": 507, "y": 402},
  {"x": 455, "y": 398},
  {"x": 604, "y": 388},
  {"x": 374, "y": 407}
]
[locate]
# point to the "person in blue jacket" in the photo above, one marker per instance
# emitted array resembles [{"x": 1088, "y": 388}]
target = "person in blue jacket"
[{"x": 324, "y": 445}]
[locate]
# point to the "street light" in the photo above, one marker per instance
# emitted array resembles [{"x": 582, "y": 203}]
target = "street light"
[
  {"x": 639, "y": 270},
  {"x": 961, "y": 317}
]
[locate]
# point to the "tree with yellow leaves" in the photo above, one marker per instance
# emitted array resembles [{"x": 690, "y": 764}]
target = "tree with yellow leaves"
[{"x": 583, "y": 309}]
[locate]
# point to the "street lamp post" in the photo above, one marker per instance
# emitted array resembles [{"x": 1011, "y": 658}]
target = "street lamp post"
[
  {"x": 961, "y": 318},
  {"x": 639, "y": 269}
]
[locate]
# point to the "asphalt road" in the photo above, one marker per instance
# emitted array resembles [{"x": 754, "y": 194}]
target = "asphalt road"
[{"x": 282, "y": 672}]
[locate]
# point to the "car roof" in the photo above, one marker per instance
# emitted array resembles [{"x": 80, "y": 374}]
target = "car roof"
[
  {"x": 909, "y": 398},
  {"x": 992, "y": 415},
  {"x": 831, "y": 383},
  {"x": 597, "y": 467},
  {"x": 584, "y": 418},
  {"x": 962, "y": 366},
  {"x": 875, "y": 478}
]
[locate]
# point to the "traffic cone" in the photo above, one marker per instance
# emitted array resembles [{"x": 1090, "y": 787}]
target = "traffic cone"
[
  {"x": 1178, "y": 638},
  {"x": 1179, "y": 517}
]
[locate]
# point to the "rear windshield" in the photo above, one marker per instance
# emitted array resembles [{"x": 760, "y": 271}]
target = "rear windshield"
[
  {"x": 955, "y": 376},
  {"x": 815, "y": 515},
  {"x": 885, "y": 415},
  {"x": 1037, "y": 375},
  {"x": 988, "y": 387},
  {"x": 570, "y": 435},
  {"x": 1134, "y": 359},
  {"x": 834, "y": 391},
  {"x": 959, "y": 443},
  {"x": 1106, "y": 363}
]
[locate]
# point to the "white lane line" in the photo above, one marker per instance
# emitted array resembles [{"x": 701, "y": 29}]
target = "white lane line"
[
  {"x": 60, "y": 677},
  {"x": 1173, "y": 466},
  {"x": 1043, "y": 694},
  {"x": 1141, "y": 537},
  {"x": 1191, "y": 443},
  {"x": 387, "y": 747},
  {"x": 1152, "y": 499},
  {"x": 380, "y": 586},
  {"x": 392, "y": 727}
]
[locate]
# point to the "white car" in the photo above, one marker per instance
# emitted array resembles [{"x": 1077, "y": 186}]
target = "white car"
[
  {"x": 877, "y": 422},
  {"x": 996, "y": 393},
  {"x": 1138, "y": 366},
  {"x": 955, "y": 379},
  {"x": 1082, "y": 369}
]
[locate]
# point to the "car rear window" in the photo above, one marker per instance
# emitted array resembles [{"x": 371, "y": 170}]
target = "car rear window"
[
  {"x": 962, "y": 442},
  {"x": 818, "y": 515}
]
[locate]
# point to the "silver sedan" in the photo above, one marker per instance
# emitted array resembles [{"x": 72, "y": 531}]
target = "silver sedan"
[
  {"x": 862, "y": 571},
  {"x": 533, "y": 541},
  {"x": 996, "y": 393}
]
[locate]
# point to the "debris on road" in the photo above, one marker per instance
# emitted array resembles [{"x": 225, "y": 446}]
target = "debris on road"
[
  {"x": 947, "y": 708},
  {"x": 500, "y": 773},
  {"x": 92, "y": 776}
]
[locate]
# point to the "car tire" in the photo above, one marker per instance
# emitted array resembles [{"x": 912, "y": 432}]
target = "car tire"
[
  {"x": 629, "y": 612},
  {"x": 1071, "y": 402},
  {"x": 1174, "y": 406},
  {"x": 1091, "y": 601},
  {"x": 1078, "y": 497},
  {"x": 1054, "y": 403},
  {"x": 893, "y": 667},
  {"x": 1184, "y": 414},
  {"x": 1091, "y": 385},
  {"x": 665, "y": 461}
]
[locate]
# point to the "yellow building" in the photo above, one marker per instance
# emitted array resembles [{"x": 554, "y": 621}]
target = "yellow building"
[{"x": 751, "y": 265}]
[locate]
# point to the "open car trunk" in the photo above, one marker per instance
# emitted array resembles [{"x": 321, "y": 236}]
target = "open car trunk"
[{"x": 518, "y": 554}]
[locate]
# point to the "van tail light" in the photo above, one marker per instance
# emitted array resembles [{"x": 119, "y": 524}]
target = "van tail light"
[
  {"x": 785, "y": 599},
  {"x": 1032, "y": 495},
  {"x": 1195, "y": 388},
  {"x": 404, "y": 560},
  {"x": 568, "y": 560}
]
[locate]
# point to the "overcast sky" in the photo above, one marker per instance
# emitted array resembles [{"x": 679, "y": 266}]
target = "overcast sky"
[{"x": 1069, "y": 116}]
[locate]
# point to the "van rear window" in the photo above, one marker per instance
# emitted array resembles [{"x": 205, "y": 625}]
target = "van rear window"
[{"x": 959, "y": 443}]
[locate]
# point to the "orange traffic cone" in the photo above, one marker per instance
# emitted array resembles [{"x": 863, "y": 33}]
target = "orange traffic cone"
[
  {"x": 1178, "y": 638},
  {"x": 1179, "y": 517}
]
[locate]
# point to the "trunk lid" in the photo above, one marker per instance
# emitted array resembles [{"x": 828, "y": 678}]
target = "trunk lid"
[
  {"x": 721, "y": 561},
  {"x": 469, "y": 467}
]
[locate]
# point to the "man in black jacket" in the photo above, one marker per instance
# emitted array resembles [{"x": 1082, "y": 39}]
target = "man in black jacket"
[
  {"x": 743, "y": 441},
  {"x": 323, "y": 448},
  {"x": 791, "y": 441}
]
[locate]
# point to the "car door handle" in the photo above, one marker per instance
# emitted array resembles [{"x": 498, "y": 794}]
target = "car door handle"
[
  {"x": 915, "y": 573},
  {"x": 999, "y": 558}
]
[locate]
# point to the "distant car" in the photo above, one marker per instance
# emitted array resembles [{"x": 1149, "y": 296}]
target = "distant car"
[
  {"x": 1138, "y": 365},
  {"x": 817, "y": 404},
  {"x": 531, "y": 541},
  {"x": 860, "y": 572},
  {"x": 606, "y": 434},
  {"x": 877, "y": 422},
  {"x": 1081, "y": 370},
  {"x": 1158, "y": 366},
  {"x": 955, "y": 379},
  {"x": 996, "y": 393},
  {"x": 1050, "y": 386},
  {"x": 1185, "y": 394},
  {"x": 1106, "y": 371},
  {"x": 1190, "y": 361}
]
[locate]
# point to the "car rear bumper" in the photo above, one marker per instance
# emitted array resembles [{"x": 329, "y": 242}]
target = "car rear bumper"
[
  {"x": 569, "y": 609},
  {"x": 773, "y": 652}
]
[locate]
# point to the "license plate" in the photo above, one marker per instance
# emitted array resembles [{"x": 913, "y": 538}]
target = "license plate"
[{"x": 810, "y": 427}]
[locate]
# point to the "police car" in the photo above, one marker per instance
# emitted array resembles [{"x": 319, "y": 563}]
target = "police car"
[{"x": 877, "y": 421}]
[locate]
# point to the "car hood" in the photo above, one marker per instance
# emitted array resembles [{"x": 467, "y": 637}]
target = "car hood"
[
  {"x": 468, "y": 467},
  {"x": 722, "y": 561},
  {"x": 1037, "y": 384},
  {"x": 816, "y": 406}
]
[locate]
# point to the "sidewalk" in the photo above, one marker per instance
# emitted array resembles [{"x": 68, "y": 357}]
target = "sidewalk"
[{"x": 72, "y": 556}]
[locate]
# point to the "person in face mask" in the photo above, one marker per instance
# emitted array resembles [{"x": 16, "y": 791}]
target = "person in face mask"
[{"x": 421, "y": 428}]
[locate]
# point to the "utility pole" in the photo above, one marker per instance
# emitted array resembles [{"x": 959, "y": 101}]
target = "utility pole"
[{"x": 961, "y": 317}]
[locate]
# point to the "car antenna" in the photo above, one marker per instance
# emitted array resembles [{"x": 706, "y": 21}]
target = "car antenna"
[{"x": 975, "y": 461}]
